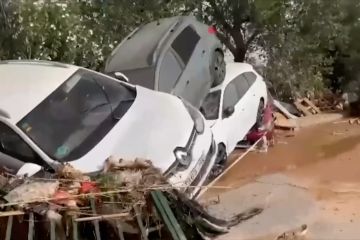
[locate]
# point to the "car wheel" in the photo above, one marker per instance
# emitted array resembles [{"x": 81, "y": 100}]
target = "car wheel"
[
  {"x": 221, "y": 156},
  {"x": 218, "y": 68},
  {"x": 220, "y": 162},
  {"x": 260, "y": 114}
]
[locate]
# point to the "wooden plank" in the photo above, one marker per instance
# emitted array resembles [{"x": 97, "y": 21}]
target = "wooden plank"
[
  {"x": 302, "y": 109},
  {"x": 312, "y": 105},
  {"x": 96, "y": 222},
  {"x": 9, "y": 228},
  {"x": 118, "y": 223},
  {"x": 11, "y": 213},
  {"x": 52, "y": 230},
  {"x": 282, "y": 122},
  {"x": 140, "y": 223},
  {"x": 31, "y": 226},
  {"x": 75, "y": 229},
  {"x": 102, "y": 217}
]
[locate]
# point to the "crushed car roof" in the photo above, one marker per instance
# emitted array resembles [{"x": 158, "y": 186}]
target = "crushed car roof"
[{"x": 24, "y": 84}]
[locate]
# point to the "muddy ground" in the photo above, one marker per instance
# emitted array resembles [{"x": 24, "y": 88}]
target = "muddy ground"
[
  {"x": 322, "y": 162},
  {"x": 324, "y": 153}
]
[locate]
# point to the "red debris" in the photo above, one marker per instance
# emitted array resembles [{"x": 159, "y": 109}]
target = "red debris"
[{"x": 88, "y": 187}]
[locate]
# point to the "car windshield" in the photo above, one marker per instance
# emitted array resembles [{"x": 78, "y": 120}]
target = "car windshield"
[
  {"x": 77, "y": 115},
  {"x": 211, "y": 105}
]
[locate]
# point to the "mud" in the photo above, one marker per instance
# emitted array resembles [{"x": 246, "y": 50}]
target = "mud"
[
  {"x": 321, "y": 162},
  {"x": 324, "y": 153}
]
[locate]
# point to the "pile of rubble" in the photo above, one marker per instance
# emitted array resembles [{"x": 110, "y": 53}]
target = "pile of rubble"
[{"x": 127, "y": 200}]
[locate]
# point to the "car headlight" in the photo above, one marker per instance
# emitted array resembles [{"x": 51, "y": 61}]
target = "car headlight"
[
  {"x": 183, "y": 157},
  {"x": 196, "y": 117}
]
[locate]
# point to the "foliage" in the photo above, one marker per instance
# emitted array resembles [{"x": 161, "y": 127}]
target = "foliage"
[
  {"x": 298, "y": 45},
  {"x": 308, "y": 45},
  {"x": 77, "y": 32}
]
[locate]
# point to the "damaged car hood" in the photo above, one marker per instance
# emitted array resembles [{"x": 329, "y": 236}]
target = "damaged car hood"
[{"x": 151, "y": 129}]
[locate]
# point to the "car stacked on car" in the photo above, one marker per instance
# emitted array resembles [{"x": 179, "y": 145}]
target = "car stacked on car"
[{"x": 146, "y": 105}]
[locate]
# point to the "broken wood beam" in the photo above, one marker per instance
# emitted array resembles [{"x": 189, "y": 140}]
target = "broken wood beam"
[{"x": 102, "y": 217}]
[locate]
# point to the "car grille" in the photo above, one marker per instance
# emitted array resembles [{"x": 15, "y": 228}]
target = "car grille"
[
  {"x": 203, "y": 169},
  {"x": 189, "y": 148}
]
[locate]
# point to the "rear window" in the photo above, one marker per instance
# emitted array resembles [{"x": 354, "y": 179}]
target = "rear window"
[{"x": 185, "y": 43}]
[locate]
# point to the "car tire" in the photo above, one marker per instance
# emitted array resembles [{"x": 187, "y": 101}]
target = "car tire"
[
  {"x": 221, "y": 155},
  {"x": 260, "y": 114},
  {"x": 218, "y": 68},
  {"x": 220, "y": 162}
]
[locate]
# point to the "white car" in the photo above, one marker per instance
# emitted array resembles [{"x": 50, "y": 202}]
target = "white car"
[
  {"x": 235, "y": 106},
  {"x": 52, "y": 113}
]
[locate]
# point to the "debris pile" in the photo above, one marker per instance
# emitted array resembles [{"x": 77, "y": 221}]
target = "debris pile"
[{"x": 128, "y": 199}]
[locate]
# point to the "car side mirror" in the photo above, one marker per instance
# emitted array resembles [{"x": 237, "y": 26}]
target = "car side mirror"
[
  {"x": 120, "y": 76},
  {"x": 228, "y": 111},
  {"x": 29, "y": 170}
]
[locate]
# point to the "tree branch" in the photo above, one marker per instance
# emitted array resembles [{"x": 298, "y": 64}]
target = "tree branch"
[
  {"x": 226, "y": 40},
  {"x": 252, "y": 38},
  {"x": 219, "y": 16}
]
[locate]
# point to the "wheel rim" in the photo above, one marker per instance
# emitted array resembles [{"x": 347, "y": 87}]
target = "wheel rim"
[{"x": 219, "y": 66}]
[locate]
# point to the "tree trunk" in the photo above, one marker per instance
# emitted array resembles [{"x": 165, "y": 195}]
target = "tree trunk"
[{"x": 239, "y": 54}]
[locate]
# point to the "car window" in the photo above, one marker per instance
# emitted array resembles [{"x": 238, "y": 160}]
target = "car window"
[
  {"x": 13, "y": 145},
  {"x": 250, "y": 77},
  {"x": 231, "y": 96},
  {"x": 77, "y": 115},
  {"x": 211, "y": 105},
  {"x": 185, "y": 43},
  {"x": 242, "y": 85},
  {"x": 170, "y": 71}
]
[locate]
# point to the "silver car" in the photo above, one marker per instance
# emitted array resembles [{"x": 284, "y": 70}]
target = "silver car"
[{"x": 177, "y": 55}]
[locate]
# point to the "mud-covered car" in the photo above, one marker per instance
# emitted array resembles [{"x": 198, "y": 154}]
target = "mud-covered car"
[
  {"x": 177, "y": 55},
  {"x": 52, "y": 113}
]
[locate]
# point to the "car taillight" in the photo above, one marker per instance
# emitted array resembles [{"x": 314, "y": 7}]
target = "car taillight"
[{"x": 212, "y": 30}]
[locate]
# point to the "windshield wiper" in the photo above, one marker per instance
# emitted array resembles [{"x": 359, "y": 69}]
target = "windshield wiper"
[
  {"x": 95, "y": 107},
  {"x": 106, "y": 97}
]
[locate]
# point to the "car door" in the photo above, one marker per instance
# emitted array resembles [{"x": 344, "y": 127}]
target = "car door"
[
  {"x": 170, "y": 70},
  {"x": 193, "y": 84},
  {"x": 231, "y": 122},
  {"x": 14, "y": 151},
  {"x": 253, "y": 95},
  {"x": 245, "y": 121}
]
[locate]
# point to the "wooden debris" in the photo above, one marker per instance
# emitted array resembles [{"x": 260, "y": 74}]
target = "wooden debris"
[
  {"x": 102, "y": 217},
  {"x": 305, "y": 106},
  {"x": 354, "y": 121},
  {"x": 283, "y": 123}
]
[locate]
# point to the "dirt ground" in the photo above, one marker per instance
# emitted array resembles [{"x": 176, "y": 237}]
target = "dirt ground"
[
  {"x": 324, "y": 160},
  {"x": 322, "y": 154}
]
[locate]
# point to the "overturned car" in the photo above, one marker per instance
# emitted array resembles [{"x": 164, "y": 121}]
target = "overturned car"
[
  {"x": 52, "y": 113},
  {"x": 177, "y": 55}
]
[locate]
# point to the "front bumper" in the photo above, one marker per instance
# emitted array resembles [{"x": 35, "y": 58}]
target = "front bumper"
[{"x": 203, "y": 154}]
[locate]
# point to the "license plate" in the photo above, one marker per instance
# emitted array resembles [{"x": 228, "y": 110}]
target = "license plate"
[{"x": 195, "y": 171}]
